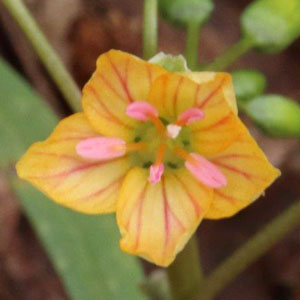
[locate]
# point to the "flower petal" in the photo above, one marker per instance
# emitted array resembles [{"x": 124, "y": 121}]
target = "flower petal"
[
  {"x": 248, "y": 174},
  {"x": 220, "y": 126},
  {"x": 156, "y": 221},
  {"x": 172, "y": 94},
  {"x": 119, "y": 79},
  {"x": 201, "y": 77},
  {"x": 54, "y": 167}
]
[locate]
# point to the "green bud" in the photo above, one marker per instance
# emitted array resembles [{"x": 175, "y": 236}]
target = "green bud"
[
  {"x": 275, "y": 115},
  {"x": 172, "y": 63},
  {"x": 248, "y": 84},
  {"x": 185, "y": 11},
  {"x": 272, "y": 25}
]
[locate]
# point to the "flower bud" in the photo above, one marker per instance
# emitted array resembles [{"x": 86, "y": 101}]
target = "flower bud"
[
  {"x": 272, "y": 25},
  {"x": 185, "y": 11},
  {"x": 172, "y": 63},
  {"x": 276, "y": 115},
  {"x": 248, "y": 84}
]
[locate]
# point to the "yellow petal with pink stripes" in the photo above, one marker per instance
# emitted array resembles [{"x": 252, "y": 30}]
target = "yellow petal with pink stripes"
[
  {"x": 120, "y": 79},
  {"x": 156, "y": 220},
  {"x": 172, "y": 94},
  {"x": 220, "y": 125},
  {"x": 55, "y": 168},
  {"x": 202, "y": 77},
  {"x": 248, "y": 174}
]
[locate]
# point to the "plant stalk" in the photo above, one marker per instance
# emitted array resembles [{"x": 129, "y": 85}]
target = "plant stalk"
[
  {"x": 192, "y": 42},
  {"x": 46, "y": 53},
  {"x": 250, "y": 252},
  {"x": 231, "y": 55},
  {"x": 184, "y": 273},
  {"x": 150, "y": 29}
]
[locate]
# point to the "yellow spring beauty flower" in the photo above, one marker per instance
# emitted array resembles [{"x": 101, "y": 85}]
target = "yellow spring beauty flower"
[{"x": 163, "y": 150}]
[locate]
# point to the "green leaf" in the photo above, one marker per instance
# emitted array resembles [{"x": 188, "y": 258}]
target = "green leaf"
[
  {"x": 83, "y": 248},
  {"x": 185, "y": 11},
  {"x": 24, "y": 118},
  {"x": 172, "y": 63},
  {"x": 275, "y": 115},
  {"x": 248, "y": 84},
  {"x": 272, "y": 24}
]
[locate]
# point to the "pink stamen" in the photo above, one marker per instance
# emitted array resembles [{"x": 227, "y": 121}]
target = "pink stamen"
[
  {"x": 205, "y": 171},
  {"x": 101, "y": 148},
  {"x": 156, "y": 172},
  {"x": 173, "y": 130},
  {"x": 190, "y": 116},
  {"x": 142, "y": 111},
  {"x": 157, "y": 169}
]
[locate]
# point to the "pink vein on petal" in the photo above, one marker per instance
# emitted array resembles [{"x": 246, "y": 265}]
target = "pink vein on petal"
[
  {"x": 248, "y": 176},
  {"x": 168, "y": 214},
  {"x": 139, "y": 220},
  {"x": 103, "y": 189},
  {"x": 77, "y": 169},
  {"x": 175, "y": 98},
  {"x": 111, "y": 87},
  {"x": 149, "y": 72},
  {"x": 63, "y": 156},
  {"x": 217, "y": 124},
  {"x": 229, "y": 198},
  {"x": 71, "y": 138},
  {"x": 164, "y": 91},
  {"x": 235, "y": 170},
  {"x": 229, "y": 156},
  {"x": 123, "y": 82},
  {"x": 210, "y": 96},
  {"x": 196, "y": 206},
  {"x": 109, "y": 116},
  {"x": 197, "y": 91}
]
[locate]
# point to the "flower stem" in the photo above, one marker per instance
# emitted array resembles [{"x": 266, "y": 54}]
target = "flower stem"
[
  {"x": 46, "y": 53},
  {"x": 249, "y": 252},
  {"x": 192, "y": 41},
  {"x": 150, "y": 28},
  {"x": 185, "y": 274},
  {"x": 231, "y": 55}
]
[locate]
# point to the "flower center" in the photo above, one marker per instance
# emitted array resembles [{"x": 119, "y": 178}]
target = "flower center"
[
  {"x": 161, "y": 138},
  {"x": 148, "y": 134},
  {"x": 157, "y": 146}
]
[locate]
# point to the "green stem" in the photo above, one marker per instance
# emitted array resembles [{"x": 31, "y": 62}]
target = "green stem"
[
  {"x": 231, "y": 55},
  {"x": 46, "y": 53},
  {"x": 250, "y": 252},
  {"x": 192, "y": 41},
  {"x": 150, "y": 28},
  {"x": 185, "y": 274}
]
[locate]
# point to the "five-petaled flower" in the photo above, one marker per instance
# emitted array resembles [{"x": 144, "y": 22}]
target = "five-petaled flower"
[{"x": 163, "y": 150}]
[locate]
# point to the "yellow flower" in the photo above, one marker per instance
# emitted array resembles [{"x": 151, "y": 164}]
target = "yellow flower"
[{"x": 163, "y": 150}]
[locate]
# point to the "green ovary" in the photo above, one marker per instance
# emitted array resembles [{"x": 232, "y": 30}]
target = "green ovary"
[{"x": 147, "y": 133}]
